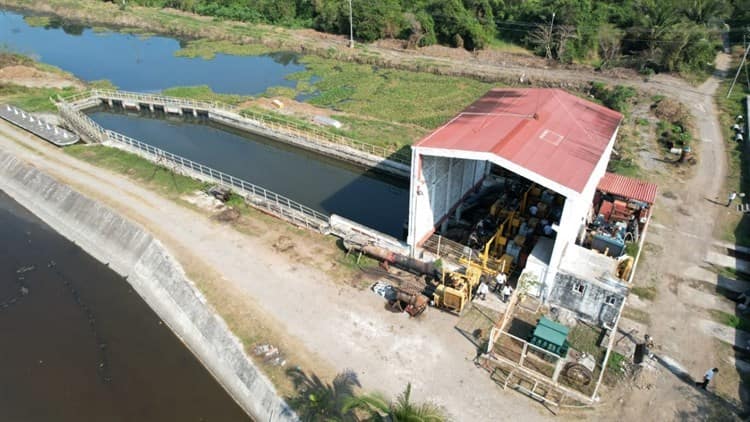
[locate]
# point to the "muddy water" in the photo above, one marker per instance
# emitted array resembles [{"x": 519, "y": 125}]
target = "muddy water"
[{"x": 78, "y": 344}]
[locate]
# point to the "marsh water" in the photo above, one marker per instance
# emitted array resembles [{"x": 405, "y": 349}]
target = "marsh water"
[
  {"x": 138, "y": 63},
  {"x": 78, "y": 344}
]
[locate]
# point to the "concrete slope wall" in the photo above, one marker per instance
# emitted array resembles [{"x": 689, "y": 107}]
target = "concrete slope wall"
[{"x": 154, "y": 274}]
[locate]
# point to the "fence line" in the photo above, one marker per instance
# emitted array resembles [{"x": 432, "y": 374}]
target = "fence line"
[
  {"x": 275, "y": 123},
  {"x": 257, "y": 196},
  {"x": 82, "y": 123}
]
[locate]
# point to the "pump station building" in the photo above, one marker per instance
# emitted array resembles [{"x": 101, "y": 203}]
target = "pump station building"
[{"x": 550, "y": 143}]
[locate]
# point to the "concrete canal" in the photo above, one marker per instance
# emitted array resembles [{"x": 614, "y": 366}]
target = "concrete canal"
[
  {"x": 80, "y": 345},
  {"x": 321, "y": 183}
]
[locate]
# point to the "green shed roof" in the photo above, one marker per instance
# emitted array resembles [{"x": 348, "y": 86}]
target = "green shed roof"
[{"x": 551, "y": 332}]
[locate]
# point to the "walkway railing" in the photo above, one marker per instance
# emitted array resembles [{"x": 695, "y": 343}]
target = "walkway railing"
[
  {"x": 257, "y": 196},
  {"x": 81, "y": 122},
  {"x": 275, "y": 123}
]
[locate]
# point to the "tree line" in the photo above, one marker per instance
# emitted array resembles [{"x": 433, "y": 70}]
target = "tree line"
[{"x": 653, "y": 35}]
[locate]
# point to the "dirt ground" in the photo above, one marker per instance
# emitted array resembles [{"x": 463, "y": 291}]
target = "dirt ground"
[
  {"x": 675, "y": 249},
  {"x": 335, "y": 325},
  {"x": 31, "y": 77}
]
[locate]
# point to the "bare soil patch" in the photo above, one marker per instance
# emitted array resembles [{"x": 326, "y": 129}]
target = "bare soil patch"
[{"x": 31, "y": 77}]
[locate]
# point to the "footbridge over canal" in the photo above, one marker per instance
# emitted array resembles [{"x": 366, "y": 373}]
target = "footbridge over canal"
[{"x": 387, "y": 159}]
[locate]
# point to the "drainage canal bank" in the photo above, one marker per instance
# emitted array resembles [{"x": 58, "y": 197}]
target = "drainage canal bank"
[
  {"x": 157, "y": 278},
  {"x": 324, "y": 184}
]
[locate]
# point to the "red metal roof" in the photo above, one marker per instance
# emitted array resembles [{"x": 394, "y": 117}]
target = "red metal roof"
[
  {"x": 547, "y": 131},
  {"x": 628, "y": 187}
]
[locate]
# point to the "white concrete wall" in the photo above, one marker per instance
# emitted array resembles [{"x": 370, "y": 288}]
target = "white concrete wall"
[
  {"x": 596, "y": 176},
  {"x": 154, "y": 274},
  {"x": 574, "y": 215},
  {"x": 437, "y": 186}
]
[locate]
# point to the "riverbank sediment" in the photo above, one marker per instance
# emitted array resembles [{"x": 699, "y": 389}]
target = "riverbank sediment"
[{"x": 157, "y": 277}]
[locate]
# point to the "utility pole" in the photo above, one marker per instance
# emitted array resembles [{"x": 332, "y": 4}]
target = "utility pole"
[
  {"x": 739, "y": 69},
  {"x": 351, "y": 26},
  {"x": 551, "y": 36}
]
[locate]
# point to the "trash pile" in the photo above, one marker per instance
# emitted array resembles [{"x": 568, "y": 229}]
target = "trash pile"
[{"x": 270, "y": 354}]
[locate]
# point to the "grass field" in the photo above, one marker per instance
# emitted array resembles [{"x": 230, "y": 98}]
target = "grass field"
[
  {"x": 31, "y": 99},
  {"x": 154, "y": 177}
]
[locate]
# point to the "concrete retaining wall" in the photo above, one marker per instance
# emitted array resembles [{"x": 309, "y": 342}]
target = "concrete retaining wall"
[{"x": 154, "y": 274}]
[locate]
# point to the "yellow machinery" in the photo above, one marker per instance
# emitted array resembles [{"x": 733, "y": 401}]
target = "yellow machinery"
[
  {"x": 455, "y": 289},
  {"x": 624, "y": 268},
  {"x": 488, "y": 263}
]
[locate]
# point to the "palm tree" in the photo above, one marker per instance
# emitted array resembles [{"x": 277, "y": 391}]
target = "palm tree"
[
  {"x": 378, "y": 409},
  {"x": 317, "y": 401}
]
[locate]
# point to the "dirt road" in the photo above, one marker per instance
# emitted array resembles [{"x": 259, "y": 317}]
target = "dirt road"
[
  {"x": 681, "y": 237},
  {"x": 342, "y": 327}
]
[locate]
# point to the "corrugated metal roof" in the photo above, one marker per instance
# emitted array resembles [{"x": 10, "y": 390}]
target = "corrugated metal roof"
[
  {"x": 628, "y": 187},
  {"x": 548, "y": 131}
]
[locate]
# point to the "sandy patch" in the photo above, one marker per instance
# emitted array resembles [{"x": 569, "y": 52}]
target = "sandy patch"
[{"x": 34, "y": 78}]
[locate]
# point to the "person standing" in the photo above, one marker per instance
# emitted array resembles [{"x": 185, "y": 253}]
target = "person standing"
[
  {"x": 707, "y": 378},
  {"x": 482, "y": 290},
  {"x": 506, "y": 292},
  {"x": 731, "y": 198},
  {"x": 500, "y": 280}
]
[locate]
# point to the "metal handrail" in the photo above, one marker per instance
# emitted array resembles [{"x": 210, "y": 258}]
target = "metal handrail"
[
  {"x": 259, "y": 197},
  {"x": 267, "y": 120},
  {"x": 262, "y": 198}
]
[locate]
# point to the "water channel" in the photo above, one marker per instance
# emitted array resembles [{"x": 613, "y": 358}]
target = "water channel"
[
  {"x": 327, "y": 185},
  {"x": 144, "y": 64},
  {"x": 80, "y": 345}
]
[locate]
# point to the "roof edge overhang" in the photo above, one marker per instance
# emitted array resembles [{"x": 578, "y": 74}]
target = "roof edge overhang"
[{"x": 506, "y": 164}]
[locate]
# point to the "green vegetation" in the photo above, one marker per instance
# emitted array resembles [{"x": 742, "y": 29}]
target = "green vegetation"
[
  {"x": 316, "y": 400},
  {"x": 617, "y": 98},
  {"x": 585, "y": 338},
  {"x": 668, "y": 35},
  {"x": 389, "y": 94},
  {"x": 204, "y": 93},
  {"x": 631, "y": 248},
  {"x": 207, "y": 49},
  {"x": 734, "y": 321},
  {"x": 625, "y": 162},
  {"x": 644, "y": 292},
  {"x": 734, "y": 227},
  {"x": 158, "y": 178},
  {"x": 733, "y": 274},
  {"x": 675, "y": 124},
  {"x": 32, "y": 99}
]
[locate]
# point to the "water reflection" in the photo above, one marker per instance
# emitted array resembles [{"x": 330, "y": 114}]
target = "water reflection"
[{"x": 137, "y": 63}]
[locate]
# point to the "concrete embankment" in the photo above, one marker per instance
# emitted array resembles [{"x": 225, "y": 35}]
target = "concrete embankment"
[{"x": 154, "y": 274}]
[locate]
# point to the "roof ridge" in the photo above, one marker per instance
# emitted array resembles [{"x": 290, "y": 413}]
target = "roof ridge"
[{"x": 570, "y": 114}]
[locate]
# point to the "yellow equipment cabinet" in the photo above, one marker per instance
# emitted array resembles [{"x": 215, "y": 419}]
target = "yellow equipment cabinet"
[{"x": 455, "y": 289}]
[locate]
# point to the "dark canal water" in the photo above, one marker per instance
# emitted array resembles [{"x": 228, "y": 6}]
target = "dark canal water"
[
  {"x": 135, "y": 63},
  {"x": 78, "y": 344},
  {"x": 321, "y": 183}
]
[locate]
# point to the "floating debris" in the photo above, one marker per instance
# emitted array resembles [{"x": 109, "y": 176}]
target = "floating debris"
[
  {"x": 25, "y": 269},
  {"x": 24, "y": 290}
]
